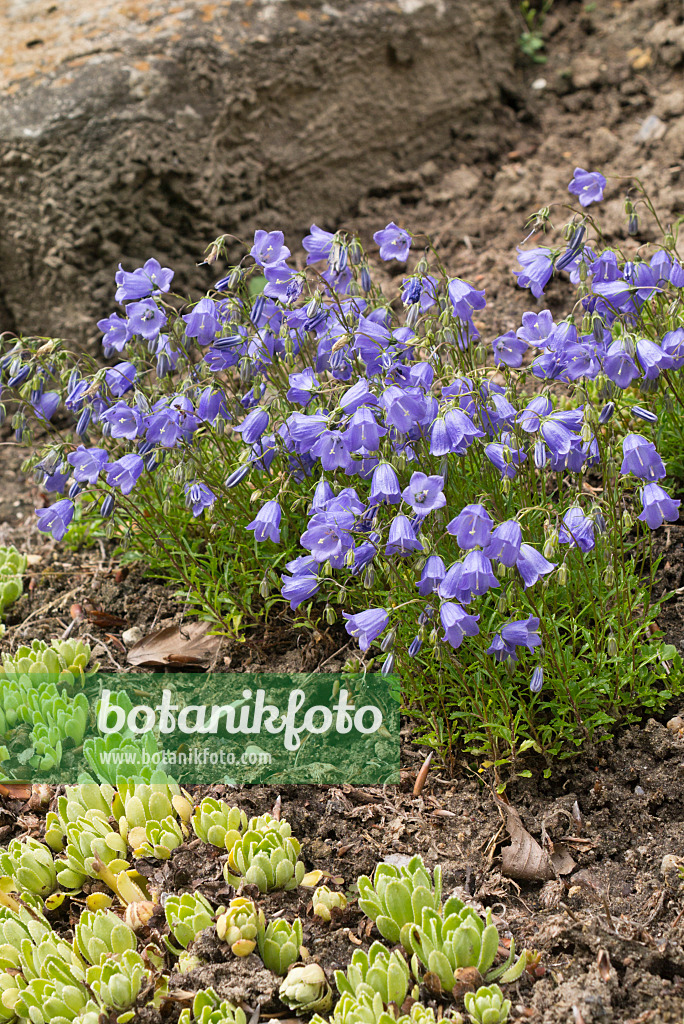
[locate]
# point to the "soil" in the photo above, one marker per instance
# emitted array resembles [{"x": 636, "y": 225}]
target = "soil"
[{"x": 610, "y": 926}]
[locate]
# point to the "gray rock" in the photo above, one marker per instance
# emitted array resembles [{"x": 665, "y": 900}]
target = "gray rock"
[
  {"x": 651, "y": 130},
  {"x": 131, "y": 129}
]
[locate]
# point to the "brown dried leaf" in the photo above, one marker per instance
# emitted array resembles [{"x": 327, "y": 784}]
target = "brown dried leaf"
[
  {"x": 524, "y": 859},
  {"x": 562, "y": 860},
  {"x": 103, "y": 620},
  {"x": 185, "y": 645}
]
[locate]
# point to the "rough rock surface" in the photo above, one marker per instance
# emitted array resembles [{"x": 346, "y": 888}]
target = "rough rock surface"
[{"x": 135, "y": 128}]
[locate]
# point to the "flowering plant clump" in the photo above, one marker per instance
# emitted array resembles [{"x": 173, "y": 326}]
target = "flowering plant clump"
[{"x": 479, "y": 510}]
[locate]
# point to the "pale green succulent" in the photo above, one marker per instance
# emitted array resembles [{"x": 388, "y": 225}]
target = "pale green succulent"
[
  {"x": 58, "y": 997},
  {"x": 91, "y": 844},
  {"x": 325, "y": 901},
  {"x": 487, "y": 1006},
  {"x": 396, "y": 896},
  {"x": 136, "y": 803},
  {"x": 187, "y": 916},
  {"x": 305, "y": 989},
  {"x": 102, "y": 934},
  {"x": 158, "y": 839},
  {"x": 267, "y": 823},
  {"x": 12, "y": 568},
  {"x": 104, "y": 754},
  {"x": 16, "y": 927},
  {"x": 279, "y": 943},
  {"x": 11, "y": 987},
  {"x": 377, "y": 971},
  {"x": 367, "y": 1008},
  {"x": 461, "y": 938},
  {"x": 27, "y": 867},
  {"x": 38, "y": 960},
  {"x": 63, "y": 662},
  {"x": 116, "y": 982},
  {"x": 207, "y": 1008},
  {"x": 84, "y": 800},
  {"x": 238, "y": 926},
  {"x": 265, "y": 859},
  {"x": 215, "y": 822}
]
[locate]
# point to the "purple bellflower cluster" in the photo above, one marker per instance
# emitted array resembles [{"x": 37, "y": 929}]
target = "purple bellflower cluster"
[{"x": 397, "y": 451}]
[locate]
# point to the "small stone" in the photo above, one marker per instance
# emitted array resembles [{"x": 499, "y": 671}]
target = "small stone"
[
  {"x": 670, "y": 104},
  {"x": 638, "y": 791},
  {"x": 131, "y": 636},
  {"x": 603, "y": 145},
  {"x": 651, "y": 130},
  {"x": 676, "y": 724},
  {"x": 587, "y": 72},
  {"x": 539, "y": 84}
]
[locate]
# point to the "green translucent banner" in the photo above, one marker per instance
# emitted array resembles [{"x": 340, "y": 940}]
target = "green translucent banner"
[{"x": 202, "y": 728}]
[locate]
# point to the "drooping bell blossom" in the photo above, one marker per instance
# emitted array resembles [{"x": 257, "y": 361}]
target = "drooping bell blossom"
[
  {"x": 302, "y": 386},
  {"x": 358, "y": 395},
  {"x": 658, "y": 506},
  {"x": 577, "y": 530},
  {"x": 522, "y": 633},
  {"x": 465, "y": 299},
  {"x": 537, "y": 267},
  {"x": 385, "y": 485},
  {"x": 531, "y": 416},
  {"x": 440, "y": 441},
  {"x": 504, "y": 458},
  {"x": 509, "y": 349},
  {"x": 432, "y": 575},
  {"x": 504, "y": 542},
  {"x": 404, "y": 409},
  {"x": 402, "y": 539},
  {"x": 332, "y": 451},
  {"x": 477, "y": 575},
  {"x": 588, "y": 186},
  {"x": 203, "y": 322},
  {"x": 120, "y": 378},
  {"x": 253, "y": 425},
  {"x": 556, "y": 434},
  {"x": 124, "y": 421},
  {"x": 424, "y": 493},
  {"x": 363, "y": 431},
  {"x": 145, "y": 318},
  {"x": 46, "y": 405},
  {"x": 117, "y": 333},
  {"x": 536, "y": 328},
  {"x": 652, "y": 358},
  {"x": 498, "y": 411},
  {"x": 471, "y": 527},
  {"x": 125, "y": 472},
  {"x": 317, "y": 244},
  {"x": 457, "y": 623},
  {"x": 420, "y": 289},
  {"x": 452, "y": 588},
  {"x": 532, "y": 565},
  {"x": 56, "y": 519},
  {"x": 502, "y": 651},
  {"x": 619, "y": 364},
  {"x": 283, "y": 283},
  {"x": 299, "y": 588},
  {"x": 363, "y": 556},
  {"x": 266, "y": 524},
  {"x": 139, "y": 283},
  {"x": 53, "y": 483},
  {"x": 673, "y": 346},
  {"x": 537, "y": 680},
  {"x": 164, "y": 427},
  {"x": 328, "y": 536},
  {"x": 366, "y": 626},
  {"x": 212, "y": 406},
  {"x": 394, "y": 243},
  {"x": 641, "y": 458},
  {"x": 461, "y": 427},
  {"x": 199, "y": 497},
  {"x": 87, "y": 463},
  {"x": 269, "y": 248}
]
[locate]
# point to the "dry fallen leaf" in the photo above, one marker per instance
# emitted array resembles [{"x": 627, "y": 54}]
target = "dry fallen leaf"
[
  {"x": 184, "y": 645},
  {"x": 524, "y": 859}
]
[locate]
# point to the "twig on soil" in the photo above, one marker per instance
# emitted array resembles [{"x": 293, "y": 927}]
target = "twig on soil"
[
  {"x": 421, "y": 778},
  {"x": 96, "y": 640}
]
